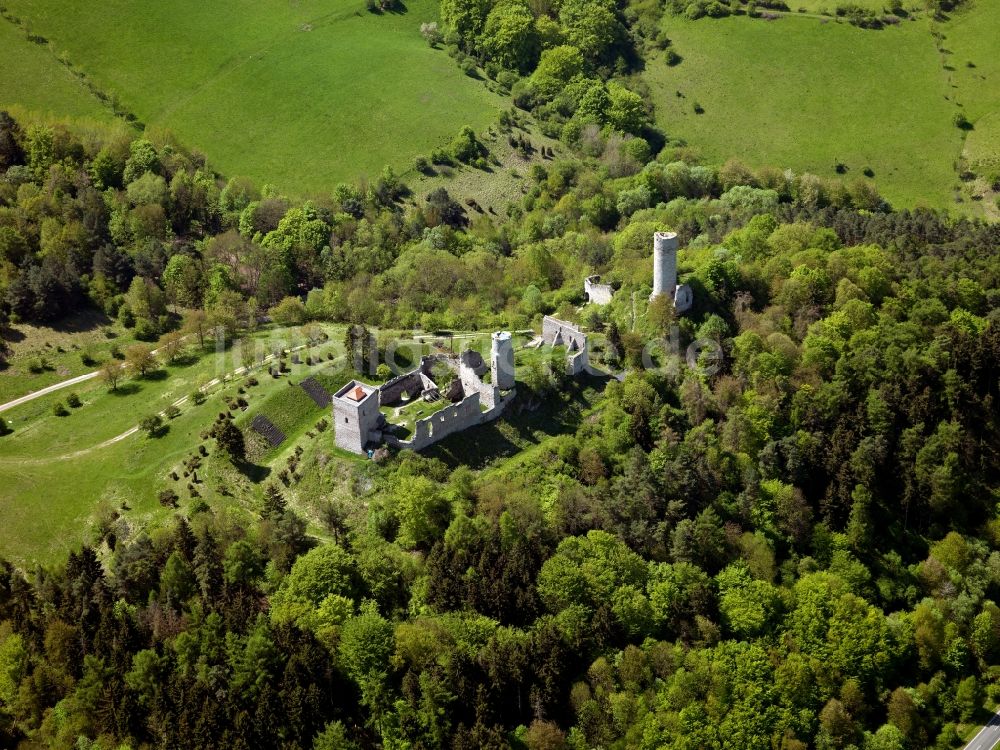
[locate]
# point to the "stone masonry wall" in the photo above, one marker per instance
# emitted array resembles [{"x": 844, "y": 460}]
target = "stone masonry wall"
[
  {"x": 598, "y": 293},
  {"x": 553, "y": 329},
  {"x": 463, "y": 415}
]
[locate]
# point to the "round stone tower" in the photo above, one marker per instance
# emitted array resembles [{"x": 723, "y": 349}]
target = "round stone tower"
[
  {"x": 664, "y": 264},
  {"x": 502, "y": 360}
]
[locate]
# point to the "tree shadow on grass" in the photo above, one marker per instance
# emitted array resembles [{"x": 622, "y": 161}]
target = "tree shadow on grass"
[
  {"x": 184, "y": 360},
  {"x": 156, "y": 375},
  {"x": 8, "y": 333},
  {"x": 88, "y": 319},
  {"x": 254, "y": 472},
  {"x": 127, "y": 389}
]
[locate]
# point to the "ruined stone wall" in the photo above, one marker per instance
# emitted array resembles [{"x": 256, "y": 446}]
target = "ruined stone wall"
[
  {"x": 461, "y": 416},
  {"x": 577, "y": 362},
  {"x": 410, "y": 382},
  {"x": 598, "y": 293},
  {"x": 474, "y": 360},
  {"x": 489, "y": 394},
  {"x": 562, "y": 332}
]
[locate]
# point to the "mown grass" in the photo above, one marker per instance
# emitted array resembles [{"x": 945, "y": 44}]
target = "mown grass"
[
  {"x": 289, "y": 407},
  {"x": 56, "y": 478},
  {"x": 31, "y": 77},
  {"x": 60, "y": 349},
  {"x": 301, "y": 95},
  {"x": 808, "y": 94}
]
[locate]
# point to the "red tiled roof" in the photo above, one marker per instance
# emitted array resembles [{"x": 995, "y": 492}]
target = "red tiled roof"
[{"x": 356, "y": 394}]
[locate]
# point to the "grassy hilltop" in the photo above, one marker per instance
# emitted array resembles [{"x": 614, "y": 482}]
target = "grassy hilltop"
[
  {"x": 809, "y": 94},
  {"x": 301, "y": 95}
]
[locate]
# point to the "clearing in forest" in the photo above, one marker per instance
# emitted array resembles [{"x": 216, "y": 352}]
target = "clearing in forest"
[{"x": 811, "y": 94}]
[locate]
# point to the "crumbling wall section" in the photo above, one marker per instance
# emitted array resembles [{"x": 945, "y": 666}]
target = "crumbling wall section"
[
  {"x": 410, "y": 383},
  {"x": 562, "y": 333},
  {"x": 577, "y": 362},
  {"x": 597, "y": 293},
  {"x": 489, "y": 394},
  {"x": 456, "y": 418}
]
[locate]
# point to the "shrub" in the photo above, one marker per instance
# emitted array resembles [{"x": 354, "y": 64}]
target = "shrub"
[
  {"x": 440, "y": 156},
  {"x": 37, "y": 365},
  {"x": 431, "y": 33},
  {"x": 197, "y": 398},
  {"x": 59, "y": 410},
  {"x": 507, "y": 79},
  {"x": 961, "y": 121},
  {"x": 151, "y": 425},
  {"x": 4, "y": 427},
  {"x": 168, "y": 498},
  {"x": 74, "y": 401},
  {"x": 172, "y": 412}
]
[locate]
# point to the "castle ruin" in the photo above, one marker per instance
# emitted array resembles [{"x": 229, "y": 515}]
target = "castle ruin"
[
  {"x": 664, "y": 277},
  {"x": 665, "y": 272},
  {"x": 597, "y": 293},
  {"x": 557, "y": 332},
  {"x": 462, "y": 400}
]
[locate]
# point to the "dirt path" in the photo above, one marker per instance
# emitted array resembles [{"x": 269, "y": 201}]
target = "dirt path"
[
  {"x": 129, "y": 432},
  {"x": 57, "y": 386}
]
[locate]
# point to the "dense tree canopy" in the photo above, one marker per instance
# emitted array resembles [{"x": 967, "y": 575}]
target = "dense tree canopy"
[{"x": 793, "y": 548}]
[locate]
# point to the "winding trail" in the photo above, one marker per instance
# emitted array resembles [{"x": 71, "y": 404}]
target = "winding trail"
[
  {"x": 49, "y": 389},
  {"x": 129, "y": 432},
  {"x": 61, "y": 384}
]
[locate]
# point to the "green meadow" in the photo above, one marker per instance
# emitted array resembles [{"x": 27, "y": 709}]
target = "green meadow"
[
  {"x": 969, "y": 48},
  {"x": 300, "y": 95},
  {"x": 59, "y": 475},
  {"x": 32, "y": 79},
  {"x": 810, "y": 94}
]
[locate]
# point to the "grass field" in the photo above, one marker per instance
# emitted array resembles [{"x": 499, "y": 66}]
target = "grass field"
[
  {"x": 301, "y": 95},
  {"x": 32, "y": 78},
  {"x": 61, "y": 350},
  {"x": 971, "y": 37},
  {"x": 58, "y": 474},
  {"x": 809, "y": 95}
]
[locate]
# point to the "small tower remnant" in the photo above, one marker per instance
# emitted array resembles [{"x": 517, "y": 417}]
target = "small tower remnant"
[
  {"x": 665, "y": 272},
  {"x": 502, "y": 360}
]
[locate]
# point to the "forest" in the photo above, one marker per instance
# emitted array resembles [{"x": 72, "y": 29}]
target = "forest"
[{"x": 794, "y": 550}]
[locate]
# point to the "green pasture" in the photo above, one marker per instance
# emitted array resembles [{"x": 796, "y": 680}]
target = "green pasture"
[
  {"x": 60, "y": 351},
  {"x": 57, "y": 474},
  {"x": 300, "y": 95},
  {"x": 60, "y": 475},
  {"x": 32, "y": 78},
  {"x": 809, "y": 94},
  {"x": 969, "y": 49}
]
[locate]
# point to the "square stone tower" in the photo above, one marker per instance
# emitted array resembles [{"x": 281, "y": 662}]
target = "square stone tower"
[
  {"x": 502, "y": 360},
  {"x": 355, "y": 416}
]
